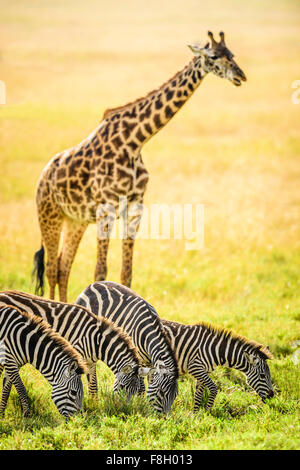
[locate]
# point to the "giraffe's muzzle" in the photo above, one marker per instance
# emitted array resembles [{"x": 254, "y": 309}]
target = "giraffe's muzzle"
[{"x": 239, "y": 77}]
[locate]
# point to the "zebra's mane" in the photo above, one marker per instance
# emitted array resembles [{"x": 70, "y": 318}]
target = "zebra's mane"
[
  {"x": 101, "y": 321},
  {"x": 45, "y": 328},
  {"x": 257, "y": 348},
  {"x": 110, "y": 111},
  {"x": 124, "y": 337}
]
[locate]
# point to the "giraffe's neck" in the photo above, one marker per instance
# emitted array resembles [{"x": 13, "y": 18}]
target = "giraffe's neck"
[{"x": 140, "y": 120}]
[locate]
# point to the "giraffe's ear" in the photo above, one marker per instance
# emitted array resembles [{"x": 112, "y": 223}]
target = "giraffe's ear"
[{"x": 198, "y": 49}]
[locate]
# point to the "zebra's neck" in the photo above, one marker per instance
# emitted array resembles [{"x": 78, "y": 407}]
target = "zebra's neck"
[
  {"x": 213, "y": 346},
  {"x": 39, "y": 343},
  {"x": 220, "y": 348},
  {"x": 159, "y": 349}
]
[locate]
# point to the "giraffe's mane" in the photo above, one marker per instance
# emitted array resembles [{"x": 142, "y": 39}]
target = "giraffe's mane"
[
  {"x": 45, "y": 328},
  {"x": 111, "y": 111},
  {"x": 102, "y": 321},
  {"x": 258, "y": 348}
]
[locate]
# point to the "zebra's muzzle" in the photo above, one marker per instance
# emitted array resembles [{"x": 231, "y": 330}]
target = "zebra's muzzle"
[{"x": 267, "y": 396}]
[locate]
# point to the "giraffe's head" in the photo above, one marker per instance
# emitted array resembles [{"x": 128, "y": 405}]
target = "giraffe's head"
[{"x": 216, "y": 58}]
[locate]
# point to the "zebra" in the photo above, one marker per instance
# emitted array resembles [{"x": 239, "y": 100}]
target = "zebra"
[
  {"x": 141, "y": 321},
  {"x": 95, "y": 338},
  {"x": 202, "y": 347},
  {"x": 25, "y": 338}
]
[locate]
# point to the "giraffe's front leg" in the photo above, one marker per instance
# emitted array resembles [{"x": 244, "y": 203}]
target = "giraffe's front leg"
[
  {"x": 131, "y": 227},
  {"x": 105, "y": 218}
]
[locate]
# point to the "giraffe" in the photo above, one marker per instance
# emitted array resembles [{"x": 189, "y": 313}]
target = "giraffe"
[{"x": 84, "y": 184}]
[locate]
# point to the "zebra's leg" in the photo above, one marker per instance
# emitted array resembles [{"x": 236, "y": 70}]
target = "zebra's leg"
[
  {"x": 212, "y": 393},
  {"x": 72, "y": 235},
  {"x": 198, "y": 396},
  {"x": 207, "y": 382},
  {"x": 132, "y": 224},
  {"x": 203, "y": 381},
  {"x": 92, "y": 380},
  {"x": 6, "y": 388},
  {"x": 12, "y": 373}
]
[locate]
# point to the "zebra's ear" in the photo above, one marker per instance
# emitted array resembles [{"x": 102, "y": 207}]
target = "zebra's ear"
[
  {"x": 161, "y": 367},
  {"x": 251, "y": 358},
  {"x": 126, "y": 369},
  {"x": 151, "y": 375},
  {"x": 73, "y": 368},
  {"x": 144, "y": 371}
]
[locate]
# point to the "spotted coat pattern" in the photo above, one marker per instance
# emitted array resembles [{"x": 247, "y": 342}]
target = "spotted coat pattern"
[{"x": 84, "y": 184}]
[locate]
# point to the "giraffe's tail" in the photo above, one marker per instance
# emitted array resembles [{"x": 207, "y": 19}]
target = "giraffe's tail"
[{"x": 38, "y": 271}]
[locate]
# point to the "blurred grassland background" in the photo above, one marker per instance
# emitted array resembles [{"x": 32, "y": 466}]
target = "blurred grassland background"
[{"x": 235, "y": 150}]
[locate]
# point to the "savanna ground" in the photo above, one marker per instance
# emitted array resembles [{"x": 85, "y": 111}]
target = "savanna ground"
[{"x": 235, "y": 150}]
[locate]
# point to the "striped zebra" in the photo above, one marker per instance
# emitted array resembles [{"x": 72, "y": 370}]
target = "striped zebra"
[
  {"x": 140, "y": 320},
  {"x": 25, "y": 338},
  {"x": 93, "y": 337},
  {"x": 202, "y": 347}
]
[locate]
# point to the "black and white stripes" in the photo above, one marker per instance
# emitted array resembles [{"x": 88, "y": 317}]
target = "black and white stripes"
[
  {"x": 110, "y": 322},
  {"x": 95, "y": 338},
  {"x": 200, "y": 348},
  {"x": 25, "y": 338},
  {"x": 140, "y": 320}
]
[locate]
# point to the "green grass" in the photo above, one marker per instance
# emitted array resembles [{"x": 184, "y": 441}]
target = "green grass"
[
  {"x": 238, "y": 420},
  {"x": 234, "y": 150}
]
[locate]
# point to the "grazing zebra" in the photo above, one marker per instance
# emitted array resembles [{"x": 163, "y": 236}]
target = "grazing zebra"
[
  {"x": 93, "y": 337},
  {"x": 25, "y": 338},
  {"x": 140, "y": 320},
  {"x": 202, "y": 347}
]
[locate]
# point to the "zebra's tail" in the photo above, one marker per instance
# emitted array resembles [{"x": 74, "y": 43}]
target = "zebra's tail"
[{"x": 38, "y": 270}]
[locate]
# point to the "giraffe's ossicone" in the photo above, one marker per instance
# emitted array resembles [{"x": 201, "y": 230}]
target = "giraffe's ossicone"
[{"x": 86, "y": 183}]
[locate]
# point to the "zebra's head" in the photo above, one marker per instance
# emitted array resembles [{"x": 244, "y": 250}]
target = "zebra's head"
[
  {"x": 129, "y": 379},
  {"x": 258, "y": 374},
  {"x": 163, "y": 388},
  {"x": 67, "y": 393}
]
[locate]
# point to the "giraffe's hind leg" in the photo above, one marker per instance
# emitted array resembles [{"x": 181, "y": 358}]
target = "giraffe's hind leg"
[
  {"x": 51, "y": 226},
  {"x": 72, "y": 235}
]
